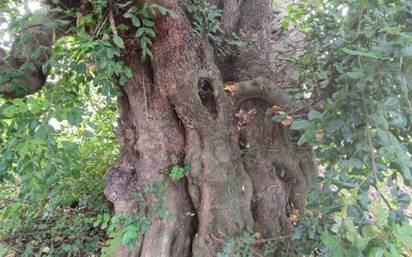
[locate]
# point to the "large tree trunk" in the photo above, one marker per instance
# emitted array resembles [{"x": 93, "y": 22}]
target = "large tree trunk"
[
  {"x": 176, "y": 106},
  {"x": 246, "y": 171}
]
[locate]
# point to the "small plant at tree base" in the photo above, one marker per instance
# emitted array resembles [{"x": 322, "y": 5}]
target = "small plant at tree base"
[
  {"x": 238, "y": 246},
  {"x": 123, "y": 229}
]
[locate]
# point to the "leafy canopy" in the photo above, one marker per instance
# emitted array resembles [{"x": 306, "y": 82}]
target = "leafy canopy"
[{"x": 357, "y": 66}]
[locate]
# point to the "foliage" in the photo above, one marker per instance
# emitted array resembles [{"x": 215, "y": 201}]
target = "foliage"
[
  {"x": 239, "y": 246},
  {"x": 206, "y": 22},
  {"x": 123, "y": 229},
  {"x": 56, "y": 147},
  {"x": 49, "y": 167},
  {"x": 57, "y": 144},
  {"x": 356, "y": 68},
  {"x": 177, "y": 172},
  {"x": 248, "y": 244},
  {"x": 49, "y": 171},
  {"x": 141, "y": 18}
]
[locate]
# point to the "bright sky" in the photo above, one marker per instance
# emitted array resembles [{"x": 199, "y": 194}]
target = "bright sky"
[{"x": 33, "y": 5}]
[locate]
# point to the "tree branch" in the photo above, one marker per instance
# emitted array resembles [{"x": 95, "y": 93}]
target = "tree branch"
[
  {"x": 21, "y": 73},
  {"x": 260, "y": 87}
]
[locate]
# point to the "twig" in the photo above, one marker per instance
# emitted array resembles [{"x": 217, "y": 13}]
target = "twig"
[
  {"x": 111, "y": 20},
  {"x": 99, "y": 27},
  {"x": 264, "y": 240}
]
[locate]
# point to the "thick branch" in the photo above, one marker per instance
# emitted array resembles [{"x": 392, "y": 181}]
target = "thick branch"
[
  {"x": 260, "y": 87},
  {"x": 21, "y": 71},
  {"x": 20, "y": 79}
]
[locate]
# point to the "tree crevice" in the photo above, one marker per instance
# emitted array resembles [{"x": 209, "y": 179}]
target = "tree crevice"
[{"x": 206, "y": 95}]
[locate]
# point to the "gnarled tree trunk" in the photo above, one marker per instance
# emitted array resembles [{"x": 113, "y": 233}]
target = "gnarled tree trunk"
[{"x": 245, "y": 174}]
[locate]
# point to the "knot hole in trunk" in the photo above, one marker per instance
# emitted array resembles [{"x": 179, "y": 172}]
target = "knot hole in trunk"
[{"x": 205, "y": 92}]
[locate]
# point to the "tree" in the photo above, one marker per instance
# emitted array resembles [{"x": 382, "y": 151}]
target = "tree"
[
  {"x": 175, "y": 107},
  {"x": 206, "y": 148}
]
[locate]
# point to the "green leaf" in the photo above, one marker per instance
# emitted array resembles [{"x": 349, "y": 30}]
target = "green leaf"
[
  {"x": 145, "y": 12},
  {"x": 361, "y": 53},
  {"x": 136, "y": 22},
  {"x": 128, "y": 72},
  {"x": 36, "y": 54},
  {"x": 149, "y": 53},
  {"x": 118, "y": 41},
  {"x": 355, "y": 74},
  {"x": 333, "y": 244},
  {"x": 123, "y": 27},
  {"x": 314, "y": 115},
  {"x": 301, "y": 125},
  {"x": 379, "y": 121},
  {"x": 148, "y": 23},
  {"x": 45, "y": 67},
  {"x": 70, "y": 146},
  {"x": 140, "y": 32},
  {"x": 404, "y": 234},
  {"x": 143, "y": 43},
  {"x": 162, "y": 10},
  {"x": 150, "y": 32},
  {"x": 10, "y": 111},
  {"x": 376, "y": 252}
]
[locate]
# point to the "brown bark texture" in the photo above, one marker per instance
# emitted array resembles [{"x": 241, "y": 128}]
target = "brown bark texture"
[{"x": 246, "y": 172}]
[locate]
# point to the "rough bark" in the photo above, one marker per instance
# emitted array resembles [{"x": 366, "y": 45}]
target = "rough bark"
[
  {"x": 246, "y": 173},
  {"x": 177, "y": 106}
]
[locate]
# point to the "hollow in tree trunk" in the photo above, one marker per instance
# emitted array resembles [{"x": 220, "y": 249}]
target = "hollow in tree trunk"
[{"x": 246, "y": 174}]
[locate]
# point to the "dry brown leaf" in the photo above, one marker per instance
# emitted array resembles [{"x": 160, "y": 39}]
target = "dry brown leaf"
[
  {"x": 58, "y": 238},
  {"x": 287, "y": 121},
  {"x": 276, "y": 109},
  {"x": 229, "y": 86},
  {"x": 294, "y": 217},
  {"x": 252, "y": 112},
  {"x": 242, "y": 114},
  {"x": 245, "y": 116},
  {"x": 258, "y": 235},
  {"x": 319, "y": 135}
]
